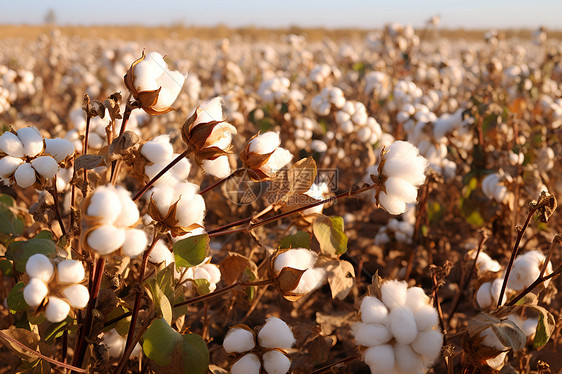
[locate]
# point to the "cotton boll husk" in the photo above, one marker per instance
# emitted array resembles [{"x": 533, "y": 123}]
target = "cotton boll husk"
[
  {"x": 59, "y": 148},
  {"x": 276, "y": 334},
  {"x": 39, "y": 266},
  {"x": 369, "y": 335},
  {"x": 56, "y": 310},
  {"x": 129, "y": 212},
  {"x": 373, "y": 310},
  {"x": 403, "y": 325},
  {"x": 8, "y": 165},
  {"x": 70, "y": 271},
  {"x": 275, "y": 362},
  {"x": 214, "y": 272},
  {"x": 380, "y": 359},
  {"x": 491, "y": 339},
  {"x": 401, "y": 189},
  {"x": 428, "y": 345},
  {"x": 412, "y": 170},
  {"x": 406, "y": 359},
  {"x": 219, "y": 167},
  {"x": 190, "y": 209},
  {"x": 158, "y": 150},
  {"x": 394, "y": 293},
  {"x": 278, "y": 159},
  {"x": 310, "y": 280},
  {"x": 161, "y": 253},
  {"x": 426, "y": 317},
  {"x": 105, "y": 204},
  {"x": 46, "y": 166},
  {"x": 247, "y": 364},
  {"x": 106, "y": 239},
  {"x": 238, "y": 340},
  {"x": 25, "y": 175},
  {"x": 416, "y": 298},
  {"x": 298, "y": 258},
  {"x": 483, "y": 296},
  {"x": 392, "y": 204},
  {"x": 77, "y": 295},
  {"x": 34, "y": 292},
  {"x": 31, "y": 140},
  {"x": 11, "y": 145},
  {"x": 265, "y": 143},
  {"x": 135, "y": 243},
  {"x": 497, "y": 362}
]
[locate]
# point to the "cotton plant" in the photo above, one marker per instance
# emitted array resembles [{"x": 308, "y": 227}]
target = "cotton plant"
[
  {"x": 330, "y": 97},
  {"x": 267, "y": 349},
  {"x": 494, "y": 187},
  {"x": 264, "y": 156},
  {"x": 398, "y": 331},
  {"x": 353, "y": 118},
  {"x": 159, "y": 152},
  {"x": 55, "y": 288},
  {"x": 300, "y": 259}
]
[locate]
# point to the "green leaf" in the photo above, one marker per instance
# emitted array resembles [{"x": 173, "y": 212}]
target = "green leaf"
[
  {"x": 299, "y": 240},
  {"x": 159, "y": 342},
  {"x": 196, "y": 361},
  {"x": 10, "y": 223},
  {"x": 475, "y": 219},
  {"x": 202, "y": 286},
  {"x": 545, "y": 328},
  {"x": 45, "y": 234},
  {"x": 6, "y": 267},
  {"x": 329, "y": 233},
  {"x": 191, "y": 251},
  {"x": 160, "y": 300},
  {"x": 55, "y": 330},
  {"x": 21, "y": 251},
  {"x": 7, "y": 200},
  {"x": 509, "y": 334},
  {"x": 15, "y": 301}
]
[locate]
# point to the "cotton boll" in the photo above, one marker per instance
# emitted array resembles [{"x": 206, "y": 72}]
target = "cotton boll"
[
  {"x": 392, "y": 204},
  {"x": 239, "y": 340},
  {"x": 403, "y": 325},
  {"x": 56, "y": 310},
  {"x": 483, "y": 296},
  {"x": 219, "y": 167},
  {"x": 394, "y": 293},
  {"x": 428, "y": 345},
  {"x": 497, "y": 362},
  {"x": 411, "y": 170},
  {"x": 401, "y": 189},
  {"x": 416, "y": 298},
  {"x": 70, "y": 271},
  {"x": 135, "y": 243},
  {"x": 276, "y": 334},
  {"x": 161, "y": 253},
  {"x": 495, "y": 290},
  {"x": 426, "y": 318},
  {"x": 163, "y": 197},
  {"x": 380, "y": 359},
  {"x": 190, "y": 210},
  {"x": 11, "y": 145},
  {"x": 490, "y": 339},
  {"x": 275, "y": 362},
  {"x": 171, "y": 83},
  {"x": 373, "y": 310},
  {"x": 105, "y": 204},
  {"x": 213, "y": 271},
  {"x": 181, "y": 169},
  {"x": 25, "y": 175},
  {"x": 31, "y": 140},
  {"x": 59, "y": 148},
  {"x": 8, "y": 165},
  {"x": 278, "y": 159},
  {"x": 298, "y": 258},
  {"x": 529, "y": 326},
  {"x": 210, "y": 110},
  {"x": 247, "y": 364},
  {"x": 46, "y": 166},
  {"x": 310, "y": 280},
  {"x": 39, "y": 266},
  {"x": 158, "y": 150},
  {"x": 369, "y": 335},
  {"x": 114, "y": 342},
  {"x": 524, "y": 272},
  {"x": 407, "y": 360},
  {"x": 129, "y": 212},
  {"x": 77, "y": 296},
  {"x": 34, "y": 292},
  {"x": 106, "y": 239},
  {"x": 265, "y": 143}
]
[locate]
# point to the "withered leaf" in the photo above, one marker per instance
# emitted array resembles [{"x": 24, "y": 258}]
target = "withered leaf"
[
  {"x": 89, "y": 162},
  {"x": 341, "y": 276},
  {"x": 288, "y": 279},
  {"x": 232, "y": 267}
]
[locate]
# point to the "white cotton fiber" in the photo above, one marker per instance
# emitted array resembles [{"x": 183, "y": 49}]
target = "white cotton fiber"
[
  {"x": 34, "y": 292},
  {"x": 416, "y": 298},
  {"x": 210, "y": 110},
  {"x": 219, "y": 167},
  {"x": 483, "y": 296},
  {"x": 11, "y": 145},
  {"x": 428, "y": 345},
  {"x": 401, "y": 189},
  {"x": 406, "y": 359},
  {"x": 8, "y": 165},
  {"x": 25, "y": 175},
  {"x": 373, "y": 310},
  {"x": 276, "y": 334},
  {"x": 369, "y": 335},
  {"x": 70, "y": 271},
  {"x": 161, "y": 253},
  {"x": 39, "y": 266},
  {"x": 497, "y": 362},
  {"x": 298, "y": 258},
  {"x": 180, "y": 170},
  {"x": 239, "y": 340},
  {"x": 380, "y": 359},
  {"x": 135, "y": 243},
  {"x": 394, "y": 293},
  {"x": 163, "y": 197},
  {"x": 158, "y": 150},
  {"x": 171, "y": 83},
  {"x": 213, "y": 271},
  {"x": 31, "y": 140},
  {"x": 495, "y": 290},
  {"x": 56, "y": 310},
  {"x": 311, "y": 279},
  {"x": 275, "y": 362},
  {"x": 265, "y": 143},
  {"x": 392, "y": 204},
  {"x": 190, "y": 210},
  {"x": 77, "y": 295},
  {"x": 526, "y": 269},
  {"x": 105, "y": 204},
  {"x": 491, "y": 339},
  {"x": 129, "y": 212},
  {"x": 59, "y": 148},
  {"x": 278, "y": 159},
  {"x": 106, "y": 239},
  {"x": 114, "y": 342},
  {"x": 426, "y": 318},
  {"x": 403, "y": 325},
  {"x": 46, "y": 166},
  {"x": 247, "y": 364}
]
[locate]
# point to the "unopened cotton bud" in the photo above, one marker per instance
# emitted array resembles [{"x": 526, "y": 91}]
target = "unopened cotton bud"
[
  {"x": 239, "y": 340},
  {"x": 77, "y": 295},
  {"x": 34, "y": 292},
  {"x": 135, "y": 243},
  {"x": 105, "y": 204},
  {"x": 70, "y": 271},
  {"x": 11, "y": 145},
  {"x": 380, "y": 359},
  {"x": 276, "y": 334},
  {"x": 56, "y": 310},
  {"x": 275, "y": 362},
  {"x": 373, "y": 310},
  {"x": 8, "y": 165},
  {"x": 402, "y": 325},
  {"x": 106, "y": 239},
  {"x": 59, "y": 148},
  {"x": 31, "y": 140},
  {"x": 219, "y": 167},
  {"x": 369, "y": 335},
  {"x": 46, "y": 166},
  {"x": 25, "y": 175},
  {"x": 39, "y": 266},
  {"x": 247, "y": 364},
  {"x": 394, "y": 293}
]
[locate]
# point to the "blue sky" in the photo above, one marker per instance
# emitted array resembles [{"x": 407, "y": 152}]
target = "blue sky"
[{"x": 265, "y": 13}]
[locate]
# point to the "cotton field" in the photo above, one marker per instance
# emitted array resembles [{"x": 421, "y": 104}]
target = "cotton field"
[{"x": 283, "y": 204}]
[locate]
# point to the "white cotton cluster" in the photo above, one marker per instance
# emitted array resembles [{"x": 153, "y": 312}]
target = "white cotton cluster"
[
  {"x": 304, "y": 129},
  {"x": 115, "y": 344},
  {"x": 270, "y": 143},
  {"x": 493, "y": 186},
  {"x": 63, "y": 281},
  {"x": 400, "y": 330},
  {"x": 488, "y": 293},
  {"x": 301, "y": 259},
  {"x": 545, "y": 158},
  {"x": 19, "y": 84},
  {"x": 401, "y": 231},
  {"x": 321, "y": 72},
  {"x": 190, "y": 208},
  {"x": 353, "y": 118},
  {"x": 275, "y": 337},
  {"x": 4, "y": 100},
  {"x": 274, "y": 89},
  {"x": 485, "y": 263},
  {"x": 318, "y": 191},
  {"x": 25, "y": 156},
  {"x": 329, "y": 96},
  {"x": 115, "y": 215},
  {"x": 402, "y": 173},
  {"x": 159, "y": 152},
  {"x": 377, "y": 84}
]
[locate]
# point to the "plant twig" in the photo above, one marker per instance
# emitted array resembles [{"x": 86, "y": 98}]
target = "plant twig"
[
  {"x": 220, "y": 182},
  {"x": 328, "y": 367},
  {"x": 56, "y": 203},
  {"x": 134, "y": 342}
]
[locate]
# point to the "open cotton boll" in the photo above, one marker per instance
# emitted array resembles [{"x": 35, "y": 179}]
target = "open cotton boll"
[
  {"x": 485, "y": 263},
  {"x": 401, "y": 189},
  {"x": 168, "y": 179},
  {"x": 59, "y": 148},
  {"x": 275, "y": 362},
  {"x": 239, "y": 340},
  {"x": 70, "y": 271},
  {"x": 278, "y": 159},
  {"x": 483, "y": 295},
  {"x": 213, "y": 271},
  {"x": 46, "y": 166},
  {"x": 31, "y": 140},
  {"x": 219, "y": 167},
  {"x": 210, "y": 110},
  {"x": 298, "y": 258},
  {"x": 161, "y": 253},
  {"x": 428, "y": 345},
  {"x": 265, "y": 143},
  {"x": 380, "y": 359},
  {"x": 247, "y": 364},
  {"x": 190, "y": 210},
  {"x": 135, "y": 243},
  {"x": 276, "y": 334},
  {"x": 105, "y": 204},
  {"x": 56, "y": 310},
  {"x": 25, "y": 175},
  {"x": 129, "y": 212},
  {"x": 171, "y": 83},
  {"x": 495, "y": 290},
  {"x": 394, "y": 293},
  {"x": 114, "y": 342},
  {"x": 401, "y": 149},
  {"x": 407, "y": 360},
  {"x": 369, "y": 335},
  {"x": 8, "y": 165},
  {"x": 106, "y": 239},
  {"x": 403, "y": 325},
  {"x": 181, "y": 169},
  {"x": 158, "y": 150},
  {"x": 412, "y": 170},
  {"x": 416, "y": 298},
  {"x": 34, "y": 292},
  {"x": 11, "y": 145},
  {"x": 163, "y": 197},
  {"x": 39, "y": 266},
  {"x": 392, "y": 204},
  {"x": 526, "y": 268},
  {"x": 426, "y": 318},
  {"x": 373, "y": 310},
  {"x": 310, "y": 280},
  {"x": 77, "y": 295}
]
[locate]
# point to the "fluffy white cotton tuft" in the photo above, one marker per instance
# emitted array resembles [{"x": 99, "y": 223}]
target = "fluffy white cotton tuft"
[
  {"x": 239, "y": 340},
  {"x": 59, "y": 148},
  {"x": 46, "y": 166},
  {"x": 34, "y": 292},
  {"x": 129, "y": 214},
  {"x": 56, "y": 310},
  {"x": 247, "y": 364},
  {"x": 106, "y": 239},
  {"x": 70, "y": 271},
  {"x": 278, "y": 159},
  {"x": 158, "y": 150},
  {"x": 105, "y": 204},
  {"x": 407, "y": 360},
  {"x": 403, "y": 325},
  {"x": 161, "y": 253},
  {"x": 491, "y": 339},
  {"x": 526, "y": 268},
  {"x": 373, "y": 310},
  {"x": 426, "y": 318},
  {"x": 416, "y": 298},
  {"x": 483, "y": 295},
  {"x": 11, "y": 145},
  {"x": 8, "y": 165},
  {"x": 380, "y": 359},
  {"x": 370, "y": 335},
  {"x": 213, "y": 271},
  {"x": 219, "y": 167},
  {"x": 25, "y": 175},
  {"x": 77, "y": 295},
  {"x": 275, "y": 362},
  {"x": 264, "y": 143},
  {"x": 190, "y": 210},
  {"x": 31, "y": 140},
  {"x": 394, "y": 293},
  {"x": 276, "y": 334},
  {"x": 401, "y": 190},
  {"x": 392, "y": 204},
  {"x": 428, "y": 345},
  {"x": 135, "y": 243},
  {"x": 39, "y": 266},
  {"x": 208, "y": 111}
]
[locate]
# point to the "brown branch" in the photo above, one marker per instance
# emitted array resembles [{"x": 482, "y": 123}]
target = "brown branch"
[
  {"x": 221, "y": 181},
  {"x": 328, "y": 367}
]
